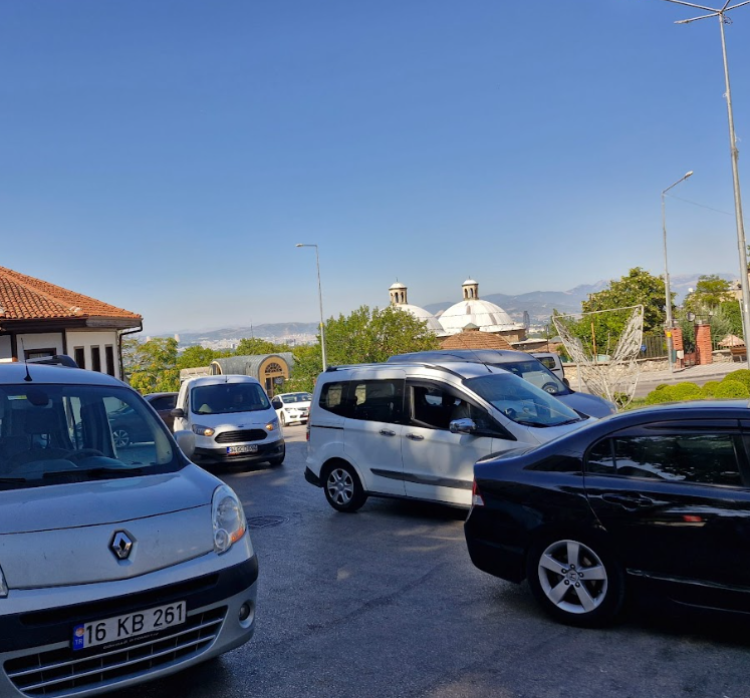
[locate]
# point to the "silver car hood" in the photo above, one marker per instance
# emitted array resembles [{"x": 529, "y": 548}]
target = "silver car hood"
[{"x": 62, "y": 535}]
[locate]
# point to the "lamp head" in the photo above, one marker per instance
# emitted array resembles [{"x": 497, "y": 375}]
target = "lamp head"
[{"x": 689, "y": 174}]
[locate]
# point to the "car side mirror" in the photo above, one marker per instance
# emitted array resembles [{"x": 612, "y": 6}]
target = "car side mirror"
[
  {"x": 186, "y": 441},
  {"x": 178, "y": 413},
  {"x": 462, "y": 426}
]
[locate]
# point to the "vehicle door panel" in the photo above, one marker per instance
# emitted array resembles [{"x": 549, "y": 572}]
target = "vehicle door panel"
[
  {"x": 372, "y": 435},
  {"x": 676, "y": 503}
]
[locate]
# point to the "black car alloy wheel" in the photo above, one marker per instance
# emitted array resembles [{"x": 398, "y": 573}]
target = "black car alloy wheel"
[{"x": 579, "y": 583}]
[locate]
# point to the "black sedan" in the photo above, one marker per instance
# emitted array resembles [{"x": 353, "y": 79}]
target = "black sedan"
[{"x": 656, "y": 499}]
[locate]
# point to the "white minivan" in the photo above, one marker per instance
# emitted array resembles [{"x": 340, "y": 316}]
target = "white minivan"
[
  {"x": 415, "y": 430},
  {"x": 232, "y": 419}
]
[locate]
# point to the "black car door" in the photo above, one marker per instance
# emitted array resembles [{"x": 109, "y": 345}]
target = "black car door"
[{"x": 673, "y": 497}]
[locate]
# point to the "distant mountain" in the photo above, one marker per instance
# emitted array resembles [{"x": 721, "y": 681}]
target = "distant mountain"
[
  {"x": 275, "y": 332},
  {"x": 540, "y": 304}
]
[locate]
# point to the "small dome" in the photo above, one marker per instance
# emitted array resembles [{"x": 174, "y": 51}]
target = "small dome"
[
  {"x": 398, "y": 285},
  {"x": 433, "y": 324},
  {"x": 470, "y": 282}
]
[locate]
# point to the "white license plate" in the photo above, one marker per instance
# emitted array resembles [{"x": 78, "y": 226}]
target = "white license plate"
[
  {"x": 130, "y": 625},
  {"x": 233, "y": 450}
]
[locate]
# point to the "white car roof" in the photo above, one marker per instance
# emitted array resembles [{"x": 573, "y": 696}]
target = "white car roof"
[
  {"x": 221, "y": 379},
  {"x": 463, "y": 369},
  {"x": 15, "y": 373}
]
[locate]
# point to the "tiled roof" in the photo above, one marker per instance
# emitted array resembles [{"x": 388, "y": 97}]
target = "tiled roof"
[
  {"x": 26, "y": 298},
  {"x": 473, "y": 339}
]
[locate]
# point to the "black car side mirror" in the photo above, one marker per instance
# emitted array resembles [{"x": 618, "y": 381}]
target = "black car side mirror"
[{"x": 178, "y": 413}]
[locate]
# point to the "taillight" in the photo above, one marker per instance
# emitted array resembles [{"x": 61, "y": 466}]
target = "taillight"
[{"x": 476, "y": 496}]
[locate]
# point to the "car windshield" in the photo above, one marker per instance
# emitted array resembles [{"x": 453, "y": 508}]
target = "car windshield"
[
  {"x": 75, "y": 433},
  {"x": 521, "y": 401},
  {"x": 225, "y": 398},
  {"x": 537, "y": 374},
  {"x": 296, "y": 397}
]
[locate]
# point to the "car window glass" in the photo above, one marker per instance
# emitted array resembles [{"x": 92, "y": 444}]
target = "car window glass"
[
  {"x": 601, "y": 458},
  {"x": 377, "y": 400},
  {"x": 700, "y": 458},
  {"x": 226, "y": 398},
  {"x": 333, "y": 398}
]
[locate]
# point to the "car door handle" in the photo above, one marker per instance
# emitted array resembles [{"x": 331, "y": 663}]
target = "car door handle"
[
  {"x": 387, "y": 432},
  {"x": 415, "y": 437},
  {"x": 629, "y": 501}
]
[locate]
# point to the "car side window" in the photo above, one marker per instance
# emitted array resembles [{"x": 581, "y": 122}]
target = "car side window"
[
  {"x": 333, "y": 398},
  {"x": 601, "y": 458},
  {"x": 698, "y": 458},
  {"x": 435, "y": 406},
  {"x": 377, "y": 400}
]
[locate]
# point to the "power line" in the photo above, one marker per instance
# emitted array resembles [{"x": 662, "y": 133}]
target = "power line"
[{"x": 695, "y": 203}]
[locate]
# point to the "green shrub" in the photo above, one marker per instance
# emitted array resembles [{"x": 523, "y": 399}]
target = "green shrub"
[
  {"x": 709, "y": 388},
  {"x": 661, "y": 386},
  {"x": 684, "y": 391},
  {"x": 740, "y": 376},
  {"x": 656, "y": 397},
  {"x": 730, "y": 389}
]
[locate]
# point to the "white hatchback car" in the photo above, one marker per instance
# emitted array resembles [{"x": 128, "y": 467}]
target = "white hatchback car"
[
  {"x": 118, "y": 564},
  {"x": 415, "y": 430},
  {"x": 292, "y": 407}
]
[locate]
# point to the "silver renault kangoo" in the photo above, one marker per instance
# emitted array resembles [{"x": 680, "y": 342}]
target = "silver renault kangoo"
[{"x": 118, "y": 562}]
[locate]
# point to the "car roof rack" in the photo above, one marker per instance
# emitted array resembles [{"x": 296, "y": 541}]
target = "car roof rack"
[
  {"x": 56, "y": 360},
  {"x": 395, "y": 364}
]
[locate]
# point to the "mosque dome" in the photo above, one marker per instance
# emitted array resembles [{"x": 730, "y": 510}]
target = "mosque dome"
[
  {"x": 487, "y": 316},
  {"x": 398, "y": 295}
]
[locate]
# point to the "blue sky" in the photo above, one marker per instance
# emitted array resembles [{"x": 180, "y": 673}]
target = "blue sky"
[{"x": 166, "y": 155}]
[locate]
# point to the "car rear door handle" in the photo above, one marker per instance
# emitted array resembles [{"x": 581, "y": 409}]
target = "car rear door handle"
[
  {"x": 415, "y": 437},
  {"x": 629, "y": 501},
  {"x": 387, "y": 432}
]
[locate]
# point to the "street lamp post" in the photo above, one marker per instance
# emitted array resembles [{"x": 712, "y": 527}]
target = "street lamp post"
[
  {"x": 320, "y": 300},
  {"x": 668, "y": 293},
  {"x": 721, "y": 13}
]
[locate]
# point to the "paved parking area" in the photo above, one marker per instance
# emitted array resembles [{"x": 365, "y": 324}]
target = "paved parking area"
[{"x": 386, "y": 602}]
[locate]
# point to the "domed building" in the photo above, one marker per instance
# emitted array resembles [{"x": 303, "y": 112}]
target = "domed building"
[
  {"x": 485, "y": 315},
  {"x": 398, "y": 293}
]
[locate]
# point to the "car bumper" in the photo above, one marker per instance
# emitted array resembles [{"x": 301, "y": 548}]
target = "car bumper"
[
  {"x": 312, "y": 478},
  {"x": 36, "y": 652},
  {"x": 489, "y": 555},
  {"x": 219, "y": 454}
]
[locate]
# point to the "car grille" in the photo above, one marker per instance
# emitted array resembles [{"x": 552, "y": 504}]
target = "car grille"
[
  {"x": 67, "y": 673},
  {"x": 243, "y": 435}
]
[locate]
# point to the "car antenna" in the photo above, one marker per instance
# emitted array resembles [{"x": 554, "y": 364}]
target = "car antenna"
[{"x": 25, "y": 363}]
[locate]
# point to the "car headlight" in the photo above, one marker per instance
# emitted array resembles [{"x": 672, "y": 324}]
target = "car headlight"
[
  {"x": 3, "y": 585},
  {"x": 272, "y": 425},
  {"x": 203, "y": 431},
  {"x": 228, "y": 518}
]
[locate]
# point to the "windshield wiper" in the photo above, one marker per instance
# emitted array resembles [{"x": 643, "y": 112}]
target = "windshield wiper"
[
  {"x": 527, "y": 423},
  {"x": 94, "y": 473}
]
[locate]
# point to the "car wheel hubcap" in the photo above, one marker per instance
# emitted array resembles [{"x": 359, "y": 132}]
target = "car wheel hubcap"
[
  {"x": 340, "y": 486},
  {"x": 573, "y": 577},
  {"x": 121, "y": 438}
]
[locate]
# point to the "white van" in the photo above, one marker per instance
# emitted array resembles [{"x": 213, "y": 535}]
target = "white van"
[
  {"x": 415, "y": 430},
  {"x": 232, "y": 419}
]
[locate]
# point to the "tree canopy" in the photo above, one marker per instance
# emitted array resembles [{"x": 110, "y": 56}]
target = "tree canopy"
[{"x": 710, "y": 292}]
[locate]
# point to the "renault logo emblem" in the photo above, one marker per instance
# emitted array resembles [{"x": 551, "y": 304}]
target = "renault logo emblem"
[{"x": 121, "y": 545}]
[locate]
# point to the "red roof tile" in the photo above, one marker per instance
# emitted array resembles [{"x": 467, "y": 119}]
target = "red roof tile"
[{"x": 26, "y": 298}]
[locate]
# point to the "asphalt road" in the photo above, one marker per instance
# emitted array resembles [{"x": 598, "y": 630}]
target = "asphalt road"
[{"x": 386, "y": 602}]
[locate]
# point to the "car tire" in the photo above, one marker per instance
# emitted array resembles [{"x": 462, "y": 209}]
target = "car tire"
[
  {"x": 577, "y": 581},
  {"x": 277, "y": 460},
  {"x": 282, "y": 419},
  {"x": 343, "y": 488},
  {"x": 121, "y": 437},
  {"x": 550, "y": 388}
]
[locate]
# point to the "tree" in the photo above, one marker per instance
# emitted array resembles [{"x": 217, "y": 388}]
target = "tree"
[
  {"x": 255, "y": 347},
  {"x": 637, "y": 288},
  {"x": 710, "y": 292},
  {"x": 364, "y": 336},
  {"x": 151, "y": 367}
]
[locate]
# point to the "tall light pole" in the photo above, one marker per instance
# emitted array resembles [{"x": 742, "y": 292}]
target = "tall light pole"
[
  {"x": 668, "y": 292},
  {"x": 320, "y": 299},
  {"x": 721, "y": 13}
]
